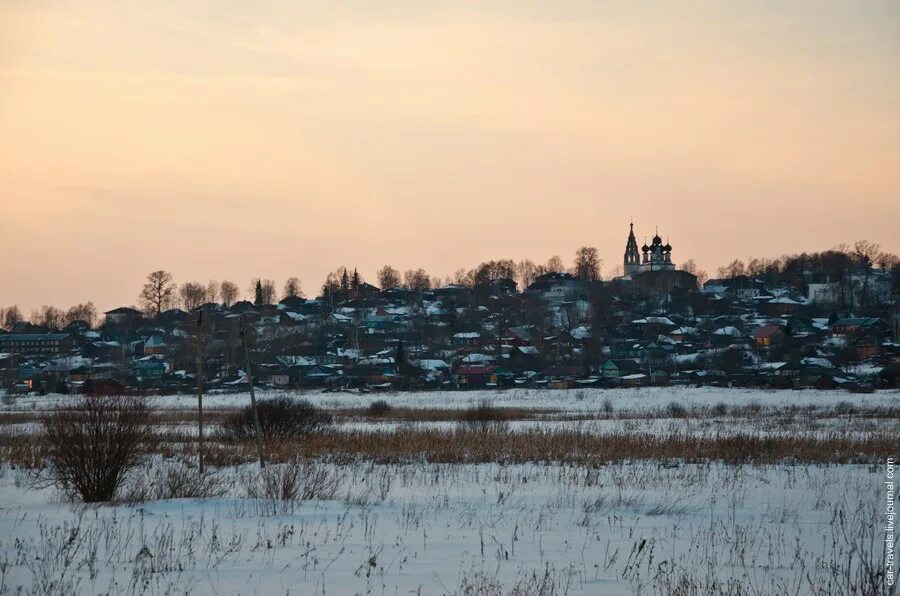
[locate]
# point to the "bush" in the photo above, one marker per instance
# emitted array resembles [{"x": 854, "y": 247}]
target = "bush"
[
  {"x": 676, "y": 410},
  {"x": 91, "y": 445},
  {"x": 843, "y": 408},
  {"x": 720, "y": 409},
  {"x": 608, "y": 406},
  {"x": 484, "y": 417},
  {"x": 279, "y": 417},
  {"x": 379, "y": 408},
  {"x": 174, "y": 479},
  {"x": 282, "y": 486}
]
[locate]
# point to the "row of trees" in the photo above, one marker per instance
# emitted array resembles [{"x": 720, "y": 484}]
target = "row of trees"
[
  {"x": 835, "y": 263},
  {"x": 50, "y": 316},
  {"x": 586, "y": 266},
  {"x": 160, "y": 292}
]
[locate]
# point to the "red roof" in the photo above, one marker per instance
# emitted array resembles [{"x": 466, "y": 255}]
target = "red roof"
[
  {"x": 767, "y": 331},
  {"x": 475, "y": 369}
]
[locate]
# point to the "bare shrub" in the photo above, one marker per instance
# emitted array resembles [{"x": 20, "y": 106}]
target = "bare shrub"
[
  {"x": 484, "y": 417},
  {"x": 607, "y": 406},
  {"x": 720, "y": 409},
  {"x": 379, "y": 408},
  {"x": 676, "y": 410},
  {"x": 284, "y": 485},
  {"x": 279, "y": 417},
  {"x": 91, "y": 445},
  {"x": 843, "y": 408},
  {"x": 175, "y": 478}
]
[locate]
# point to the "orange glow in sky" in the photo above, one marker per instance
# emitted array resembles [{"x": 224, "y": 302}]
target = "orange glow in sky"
[{"x": 241, "y": 139}]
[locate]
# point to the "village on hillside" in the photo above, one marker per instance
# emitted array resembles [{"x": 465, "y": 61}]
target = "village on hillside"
[{"x": 825, "y": 320}]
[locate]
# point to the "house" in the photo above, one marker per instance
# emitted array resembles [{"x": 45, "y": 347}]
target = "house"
[
  {"x": 779, "y": 306},
  {"x": 149, "y": 367},
  {"x": 871, "y": 286},
  {"x": 634, "y": 380},
  {"x": 103, "y": 387},
  {"x": 474, "y": 375},
  {"x": 856, "y": 325},
  {"x": 36, "y": 343},
  {"x": 497, "y": 287},
  {"x": 366, "y": 290},
  {"x": 556, "y": 287},
  {"x": 467, "y": 338},
  {"x": 155, "y": 345},
  {"x": 768, "y": 336},
  {"x": 619, "y": 367},
  {"x": 123, "y": 315}
]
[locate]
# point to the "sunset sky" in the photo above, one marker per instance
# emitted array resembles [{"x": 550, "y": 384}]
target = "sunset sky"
[{"x": 240, "y": 139}]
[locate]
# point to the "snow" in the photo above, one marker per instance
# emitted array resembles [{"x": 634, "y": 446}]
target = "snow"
[
  {"x": 814, "y": 361},
  {"x": 728, "y": 330},
  {"x": 428, "y": 528},
  {"x": 639, "y": 399}
]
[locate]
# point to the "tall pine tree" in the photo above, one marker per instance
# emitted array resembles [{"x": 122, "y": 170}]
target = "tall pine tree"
[{"x": 258, "y": 301}]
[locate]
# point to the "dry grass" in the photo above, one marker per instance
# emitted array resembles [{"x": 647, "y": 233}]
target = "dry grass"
[
  {"x": 466, "y": 445},
  {"x": 469, "y": 446}
]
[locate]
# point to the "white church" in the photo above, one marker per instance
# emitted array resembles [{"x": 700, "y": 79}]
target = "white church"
[{"x": 656, "y": 257}]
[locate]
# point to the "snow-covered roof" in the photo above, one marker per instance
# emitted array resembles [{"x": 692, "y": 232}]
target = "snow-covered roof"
[
  {"x": 811, "y": 361},
  {"x": 431, "y": 364},
  {"x": 728, "y": 330},
  {"x": 581, "y": 332},
  {"x": 476, "y": 358},
  {"x": 155, "y": 341}
]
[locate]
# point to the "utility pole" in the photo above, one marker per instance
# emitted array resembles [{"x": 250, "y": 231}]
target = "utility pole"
[
  {"x": 200, "y": 389},
  {"x": 260, "y": 451}
]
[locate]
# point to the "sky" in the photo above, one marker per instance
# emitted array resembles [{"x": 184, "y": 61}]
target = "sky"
[{"x": 232, "y": 140}]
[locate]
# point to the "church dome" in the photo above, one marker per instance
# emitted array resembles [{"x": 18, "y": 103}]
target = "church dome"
[
  {"x": 645, "y": 248},
  {"x": 667, "y": 247},
  {"x": 657, "y": 240}
]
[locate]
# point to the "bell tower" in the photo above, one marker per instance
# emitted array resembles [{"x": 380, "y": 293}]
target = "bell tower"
[{"x": 632, "y": 262}]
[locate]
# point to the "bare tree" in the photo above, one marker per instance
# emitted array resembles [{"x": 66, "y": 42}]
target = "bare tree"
[
  {"x": 86, "y": 312},
  {"x": 490, "y": 271},
  {"x": 526, "y": 271},
  {"x": 554, "y": 265},
  {"x": 388, "y": 278},
  {"x": 460, "y": 277},
  {"x": 52, "y": 317},
  {"x": 732, "y": 269},
  {"x": 228, "y": 290},
  {"x": 417, "y": 280},
  {"x": 212, "y": 291},
  {"x": 264, "y": 290},
  {"x": 11, "y": 316},
  {"x": 691, "y": 267},
  {"x": 887, "y": 260},
  {"x": 192, "y": 295},
  {"x": 865, "y": 253},
  {"x": 587, "y": 263},
  {"x": 292, "y": 288},
  {"x": 270, "y": 293},
  {"x": 158, "y": 292},
  {"x": 332, "y": 284}
]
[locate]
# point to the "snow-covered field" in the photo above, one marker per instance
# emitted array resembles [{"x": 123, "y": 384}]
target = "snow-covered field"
[
  {"x": 650, "y": 525},
  {"x": 573, "y": 400},
  {"x": 461, "y": 529}
]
